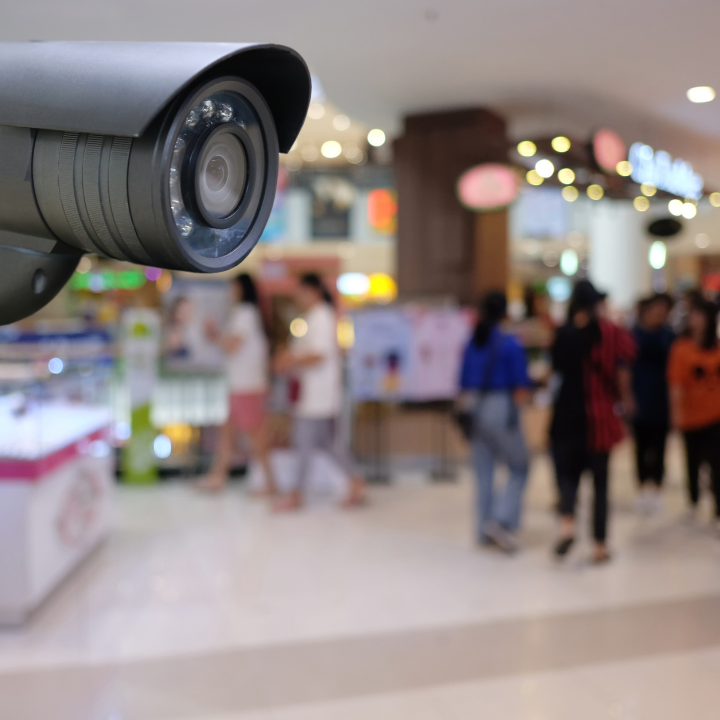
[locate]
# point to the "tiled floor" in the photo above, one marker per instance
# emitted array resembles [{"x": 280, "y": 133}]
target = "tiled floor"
[{"x": 191, "y": 589}]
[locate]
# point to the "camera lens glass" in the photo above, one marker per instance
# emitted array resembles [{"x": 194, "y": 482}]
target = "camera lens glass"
[
  {"x": 217, "y": 172},
  {"x": 222, "y": 175}
]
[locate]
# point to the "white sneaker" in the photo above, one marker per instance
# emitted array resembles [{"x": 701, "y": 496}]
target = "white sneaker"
[
  {"x": 501, "y": 537},
  {"x": 643, "y": 502},
  {"x": 654, "y": 502}
]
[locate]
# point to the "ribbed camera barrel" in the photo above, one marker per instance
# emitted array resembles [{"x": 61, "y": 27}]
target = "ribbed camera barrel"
[{"x": 82, "y": 191}]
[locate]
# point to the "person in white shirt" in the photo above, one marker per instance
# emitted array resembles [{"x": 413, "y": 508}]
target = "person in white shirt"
[
  {"x": 245, "y": 346},
  {"x": 314, "y": 358}
]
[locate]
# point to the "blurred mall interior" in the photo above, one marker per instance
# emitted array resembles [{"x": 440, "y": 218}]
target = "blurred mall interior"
[{"x": 210, "y": 510}]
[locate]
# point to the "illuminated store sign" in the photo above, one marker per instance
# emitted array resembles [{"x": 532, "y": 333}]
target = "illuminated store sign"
[
  {"x": 659, "y": 169},
  {"x": 608, "y": 149},
  {"x": 488, "y": 187}
]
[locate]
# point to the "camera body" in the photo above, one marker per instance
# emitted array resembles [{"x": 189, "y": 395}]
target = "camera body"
[{"x": 163, "y": 154}]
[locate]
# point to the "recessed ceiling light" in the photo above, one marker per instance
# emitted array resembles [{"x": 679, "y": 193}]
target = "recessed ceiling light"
[
  {"x": 641, "y": 203},
  {"x": 331, "y": 149},
  {"x": 527, "y": 148},
  {"x": 316, "y": 110},
  {"x": 544, "y": 168},
  {"x": 341, "y": 122},
  {"x": 675, "y": 207},
  {"x": 376, "y": 137},
  {"x": 701, "y": 94},
  {"x": 533, "y": 178},
  {"x": 595, "y": 192}
]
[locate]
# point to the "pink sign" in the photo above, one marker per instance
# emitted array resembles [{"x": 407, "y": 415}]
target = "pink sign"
[
  {"x": 608, "y": 149},
  {"x": 488, "y": 187}
]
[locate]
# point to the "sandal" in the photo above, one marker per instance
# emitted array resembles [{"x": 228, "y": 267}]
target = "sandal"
[{"x": 562, "y": 548}]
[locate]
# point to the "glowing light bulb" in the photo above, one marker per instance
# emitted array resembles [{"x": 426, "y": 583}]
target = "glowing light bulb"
[
  {"x": 701, "y": 94},
  {"x": 689, "y": 210},
  {"x": 560, "y": 144},
  {"x": 331, "y": 149},
  {"x": 624, "y": 168},
  {"x": 298, "y": 328},
  {"x": 353, "y": 283},
  {"x": 544, "y": 168},
  {"x": 569, "y": 262},
  {"x": 341, "y": 122},
  {"x": 570, "y": 193},
  {"x": 566, "y": 176},
  {"x": 162, "y": 446},
  {"x": 533, "y": 178},
  {"x": 648, "y": 189},
  {"x": 527, "y": 148},
  {"x": 376, "y": 137},
  {"x": 595, "y": 192},
  {"x": 675, "y": 207},
  {"x": 641, "y": 203},
  {"x": 715, "y": 199},
  {"x": 657, "y": 255}
]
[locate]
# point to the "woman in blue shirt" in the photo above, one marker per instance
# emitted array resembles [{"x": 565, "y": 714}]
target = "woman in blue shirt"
[{"x": 494, "y": 374}]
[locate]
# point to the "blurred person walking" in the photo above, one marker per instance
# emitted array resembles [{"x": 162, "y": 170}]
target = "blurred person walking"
[
  {"x": 245, "y": 346},
  {"x": 493, "y": 380},
  {"x": 654, "y": 338},
  {"x": 314, "y": 357},
  {"x": 694, "y": 379},
  {"x": 591, "y": 359}
]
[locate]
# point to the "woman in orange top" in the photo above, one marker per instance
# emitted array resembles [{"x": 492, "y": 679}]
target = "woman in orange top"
[{"x": 694, "y": 380}]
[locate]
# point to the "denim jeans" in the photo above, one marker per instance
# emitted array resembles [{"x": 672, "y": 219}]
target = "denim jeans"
[{"x": 497, "y": 438}]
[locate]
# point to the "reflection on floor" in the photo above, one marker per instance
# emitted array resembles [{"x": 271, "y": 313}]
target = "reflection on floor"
[{"x": 211, "y": 608}]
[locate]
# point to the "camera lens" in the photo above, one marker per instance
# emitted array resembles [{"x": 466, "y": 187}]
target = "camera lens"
[{"x": 222, "y": 175}]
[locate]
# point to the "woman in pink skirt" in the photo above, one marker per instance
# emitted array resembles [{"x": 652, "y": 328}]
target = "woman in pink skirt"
[{"x": 246, "y": 362}]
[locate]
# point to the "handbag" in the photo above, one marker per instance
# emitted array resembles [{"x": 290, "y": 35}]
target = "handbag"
[{"x": 465, "y": 419}]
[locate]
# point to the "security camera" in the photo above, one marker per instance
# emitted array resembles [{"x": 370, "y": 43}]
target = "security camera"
[{"x": 163, "y": 154}]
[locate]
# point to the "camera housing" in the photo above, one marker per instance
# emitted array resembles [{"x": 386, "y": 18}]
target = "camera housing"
[{"x": 163, "y": 154}]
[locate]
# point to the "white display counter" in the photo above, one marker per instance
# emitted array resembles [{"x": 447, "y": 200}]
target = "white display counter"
[{"x": 56, "y": 478}]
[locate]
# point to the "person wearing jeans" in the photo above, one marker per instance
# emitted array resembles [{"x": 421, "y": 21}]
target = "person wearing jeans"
[{"x": 494, "y": 375}]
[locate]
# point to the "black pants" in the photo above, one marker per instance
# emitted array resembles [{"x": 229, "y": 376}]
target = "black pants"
[
  {"x": 650, "y": 441},
  {"x": 703, "y": 445},
  {"x": 570, "y": 462}
]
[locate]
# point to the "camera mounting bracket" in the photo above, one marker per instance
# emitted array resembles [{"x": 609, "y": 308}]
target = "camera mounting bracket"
[{"x": 31, "y": 279}]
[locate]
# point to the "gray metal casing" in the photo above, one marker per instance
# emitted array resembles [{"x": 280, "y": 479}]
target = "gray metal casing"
[{"x": 64, "y": 97}]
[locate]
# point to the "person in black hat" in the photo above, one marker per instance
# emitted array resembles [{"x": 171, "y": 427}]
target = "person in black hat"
[{"x": 591, "y": 358}]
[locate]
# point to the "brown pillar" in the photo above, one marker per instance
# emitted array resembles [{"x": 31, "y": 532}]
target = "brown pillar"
[
  {"x": 490, "y": 252},
  {"x": 440, "y": 251}
]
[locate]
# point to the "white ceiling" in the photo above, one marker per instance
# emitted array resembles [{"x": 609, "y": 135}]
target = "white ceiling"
[{"x": 549, "y": 65}]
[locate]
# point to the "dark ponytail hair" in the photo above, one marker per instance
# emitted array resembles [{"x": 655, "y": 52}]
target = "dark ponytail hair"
[
  {"x": 314, "y": 281},
  {"x": 248, "y": 288},
  {"x": 710, "y": 311},
  {"x": 492, "y": 312}
]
